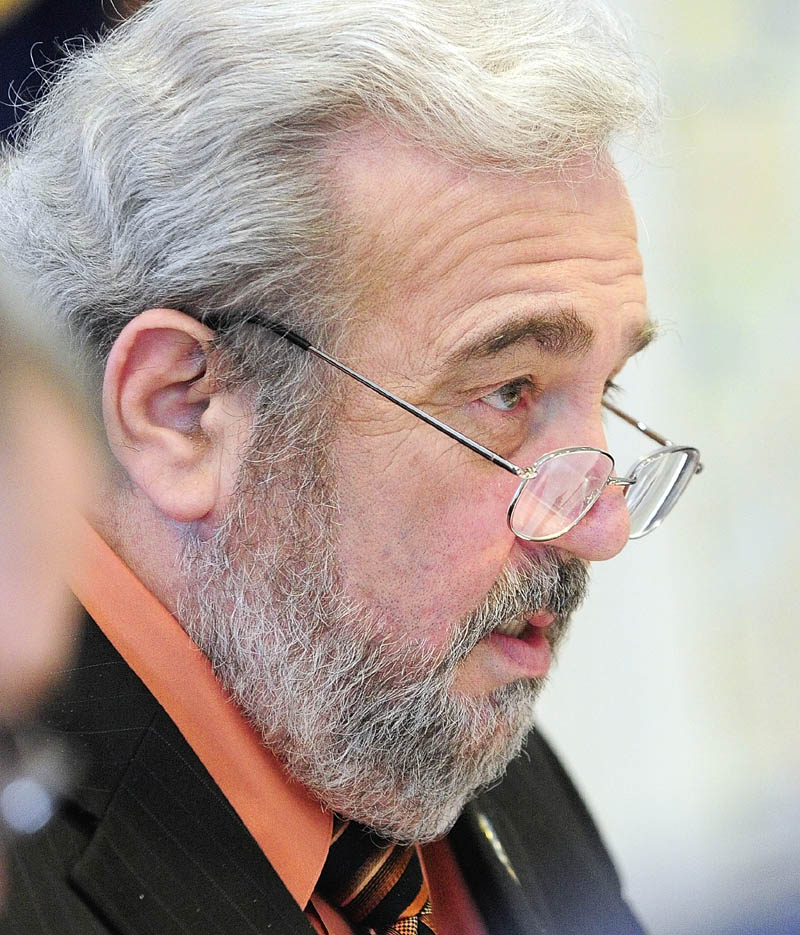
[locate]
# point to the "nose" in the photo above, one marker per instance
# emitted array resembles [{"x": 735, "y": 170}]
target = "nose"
[
  {"x": 605, "y": 530},
  {"x": 602, "y": 533}
]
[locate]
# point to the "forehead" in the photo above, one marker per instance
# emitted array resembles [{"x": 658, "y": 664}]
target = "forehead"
[{"x": 443, "y": 252}]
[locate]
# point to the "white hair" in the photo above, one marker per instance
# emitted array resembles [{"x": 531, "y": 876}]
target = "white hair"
[{"x": 177, "y": 161}]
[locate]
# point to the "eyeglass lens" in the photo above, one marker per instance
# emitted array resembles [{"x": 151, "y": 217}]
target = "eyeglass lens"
[
  {"x": 568, "y": 484},
  {"x": 564, "y": 489},
  {"x": 660, "y": 480}
]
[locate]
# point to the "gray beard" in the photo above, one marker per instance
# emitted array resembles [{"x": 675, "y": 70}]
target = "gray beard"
[{"x": 357, "y": 712}]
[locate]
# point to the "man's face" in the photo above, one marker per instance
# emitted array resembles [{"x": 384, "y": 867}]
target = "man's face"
[
  {"x": 356, "y": 623},
  {"x": 467, "y": 263}
]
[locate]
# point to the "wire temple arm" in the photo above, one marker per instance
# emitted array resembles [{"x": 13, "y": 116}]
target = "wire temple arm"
[
  {"x": 283, "y": 332},
  {"x": 217, "y": 321},
  {"x": 412, "y": 409},
  {"x": 638, "y": 424}
]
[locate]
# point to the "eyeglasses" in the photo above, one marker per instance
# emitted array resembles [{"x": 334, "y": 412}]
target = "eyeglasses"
[{"x": 559, "y": 489}]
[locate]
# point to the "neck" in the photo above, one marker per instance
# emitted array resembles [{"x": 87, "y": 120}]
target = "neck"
[{"x": 148, "y": 542}]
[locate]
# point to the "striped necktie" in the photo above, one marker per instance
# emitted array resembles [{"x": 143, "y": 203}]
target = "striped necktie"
[{"x": 378, "y": 886}]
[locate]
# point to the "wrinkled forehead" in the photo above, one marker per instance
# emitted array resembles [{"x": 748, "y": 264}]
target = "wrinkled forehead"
[
  {"x": 408, "y": 200},
  {"x": 441, "y": 246}
]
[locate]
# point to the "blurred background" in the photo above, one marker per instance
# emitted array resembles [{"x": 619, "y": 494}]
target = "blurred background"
[
  {"x": 676, "y": 704},
  {"x": 32, "y": 34}
]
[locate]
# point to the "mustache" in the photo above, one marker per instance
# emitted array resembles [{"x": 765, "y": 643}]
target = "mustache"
[{"x": 545, "y": 583}]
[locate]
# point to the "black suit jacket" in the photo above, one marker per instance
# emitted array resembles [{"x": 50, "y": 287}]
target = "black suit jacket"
[{"x": 148, "y": 845}]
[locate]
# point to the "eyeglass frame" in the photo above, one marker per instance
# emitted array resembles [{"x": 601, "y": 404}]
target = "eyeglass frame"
[{"x": 525, "y": 474}]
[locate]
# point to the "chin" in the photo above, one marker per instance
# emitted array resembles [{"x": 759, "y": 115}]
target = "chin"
[{"x": 416, "y": 794}]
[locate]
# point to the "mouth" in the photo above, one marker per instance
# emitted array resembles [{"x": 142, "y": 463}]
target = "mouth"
[{"x": 519, "y": 649}]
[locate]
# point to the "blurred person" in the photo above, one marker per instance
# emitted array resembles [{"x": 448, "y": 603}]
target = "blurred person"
[
  {"x": 45, "y": 464},
  {"x": 353, "y": 283}
]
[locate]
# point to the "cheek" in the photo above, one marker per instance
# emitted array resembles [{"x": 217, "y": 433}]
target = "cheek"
[{"x": 423, "y": 540}]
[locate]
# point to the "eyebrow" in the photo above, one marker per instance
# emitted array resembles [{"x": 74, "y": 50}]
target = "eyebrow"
[{"x": 561, "y": 334}]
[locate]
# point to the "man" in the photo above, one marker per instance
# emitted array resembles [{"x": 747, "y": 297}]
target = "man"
[{"x": 343, "y": 272}]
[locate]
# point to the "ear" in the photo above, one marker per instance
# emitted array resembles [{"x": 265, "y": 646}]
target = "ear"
[{"x": 178, "y": 439}]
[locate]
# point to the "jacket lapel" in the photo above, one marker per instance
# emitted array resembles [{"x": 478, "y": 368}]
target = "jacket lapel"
[
  {"x": 161, "y": 849},
  {"x": 533, "y": 858},
  {"x": 170, "y": 855},
  {"x": 509, "y": 900}
]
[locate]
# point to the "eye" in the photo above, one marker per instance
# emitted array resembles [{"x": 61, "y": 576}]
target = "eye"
[{"x": 508, "y": 396}]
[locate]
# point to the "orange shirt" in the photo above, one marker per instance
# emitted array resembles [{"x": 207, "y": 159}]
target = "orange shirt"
[{"x": 275, "y": 810}]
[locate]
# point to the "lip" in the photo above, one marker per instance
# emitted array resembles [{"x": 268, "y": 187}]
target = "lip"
[
  {"x": 529, "y": 654},
  {"x": 499, "y": 660},
  {"x": 542, "y": 619}
]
